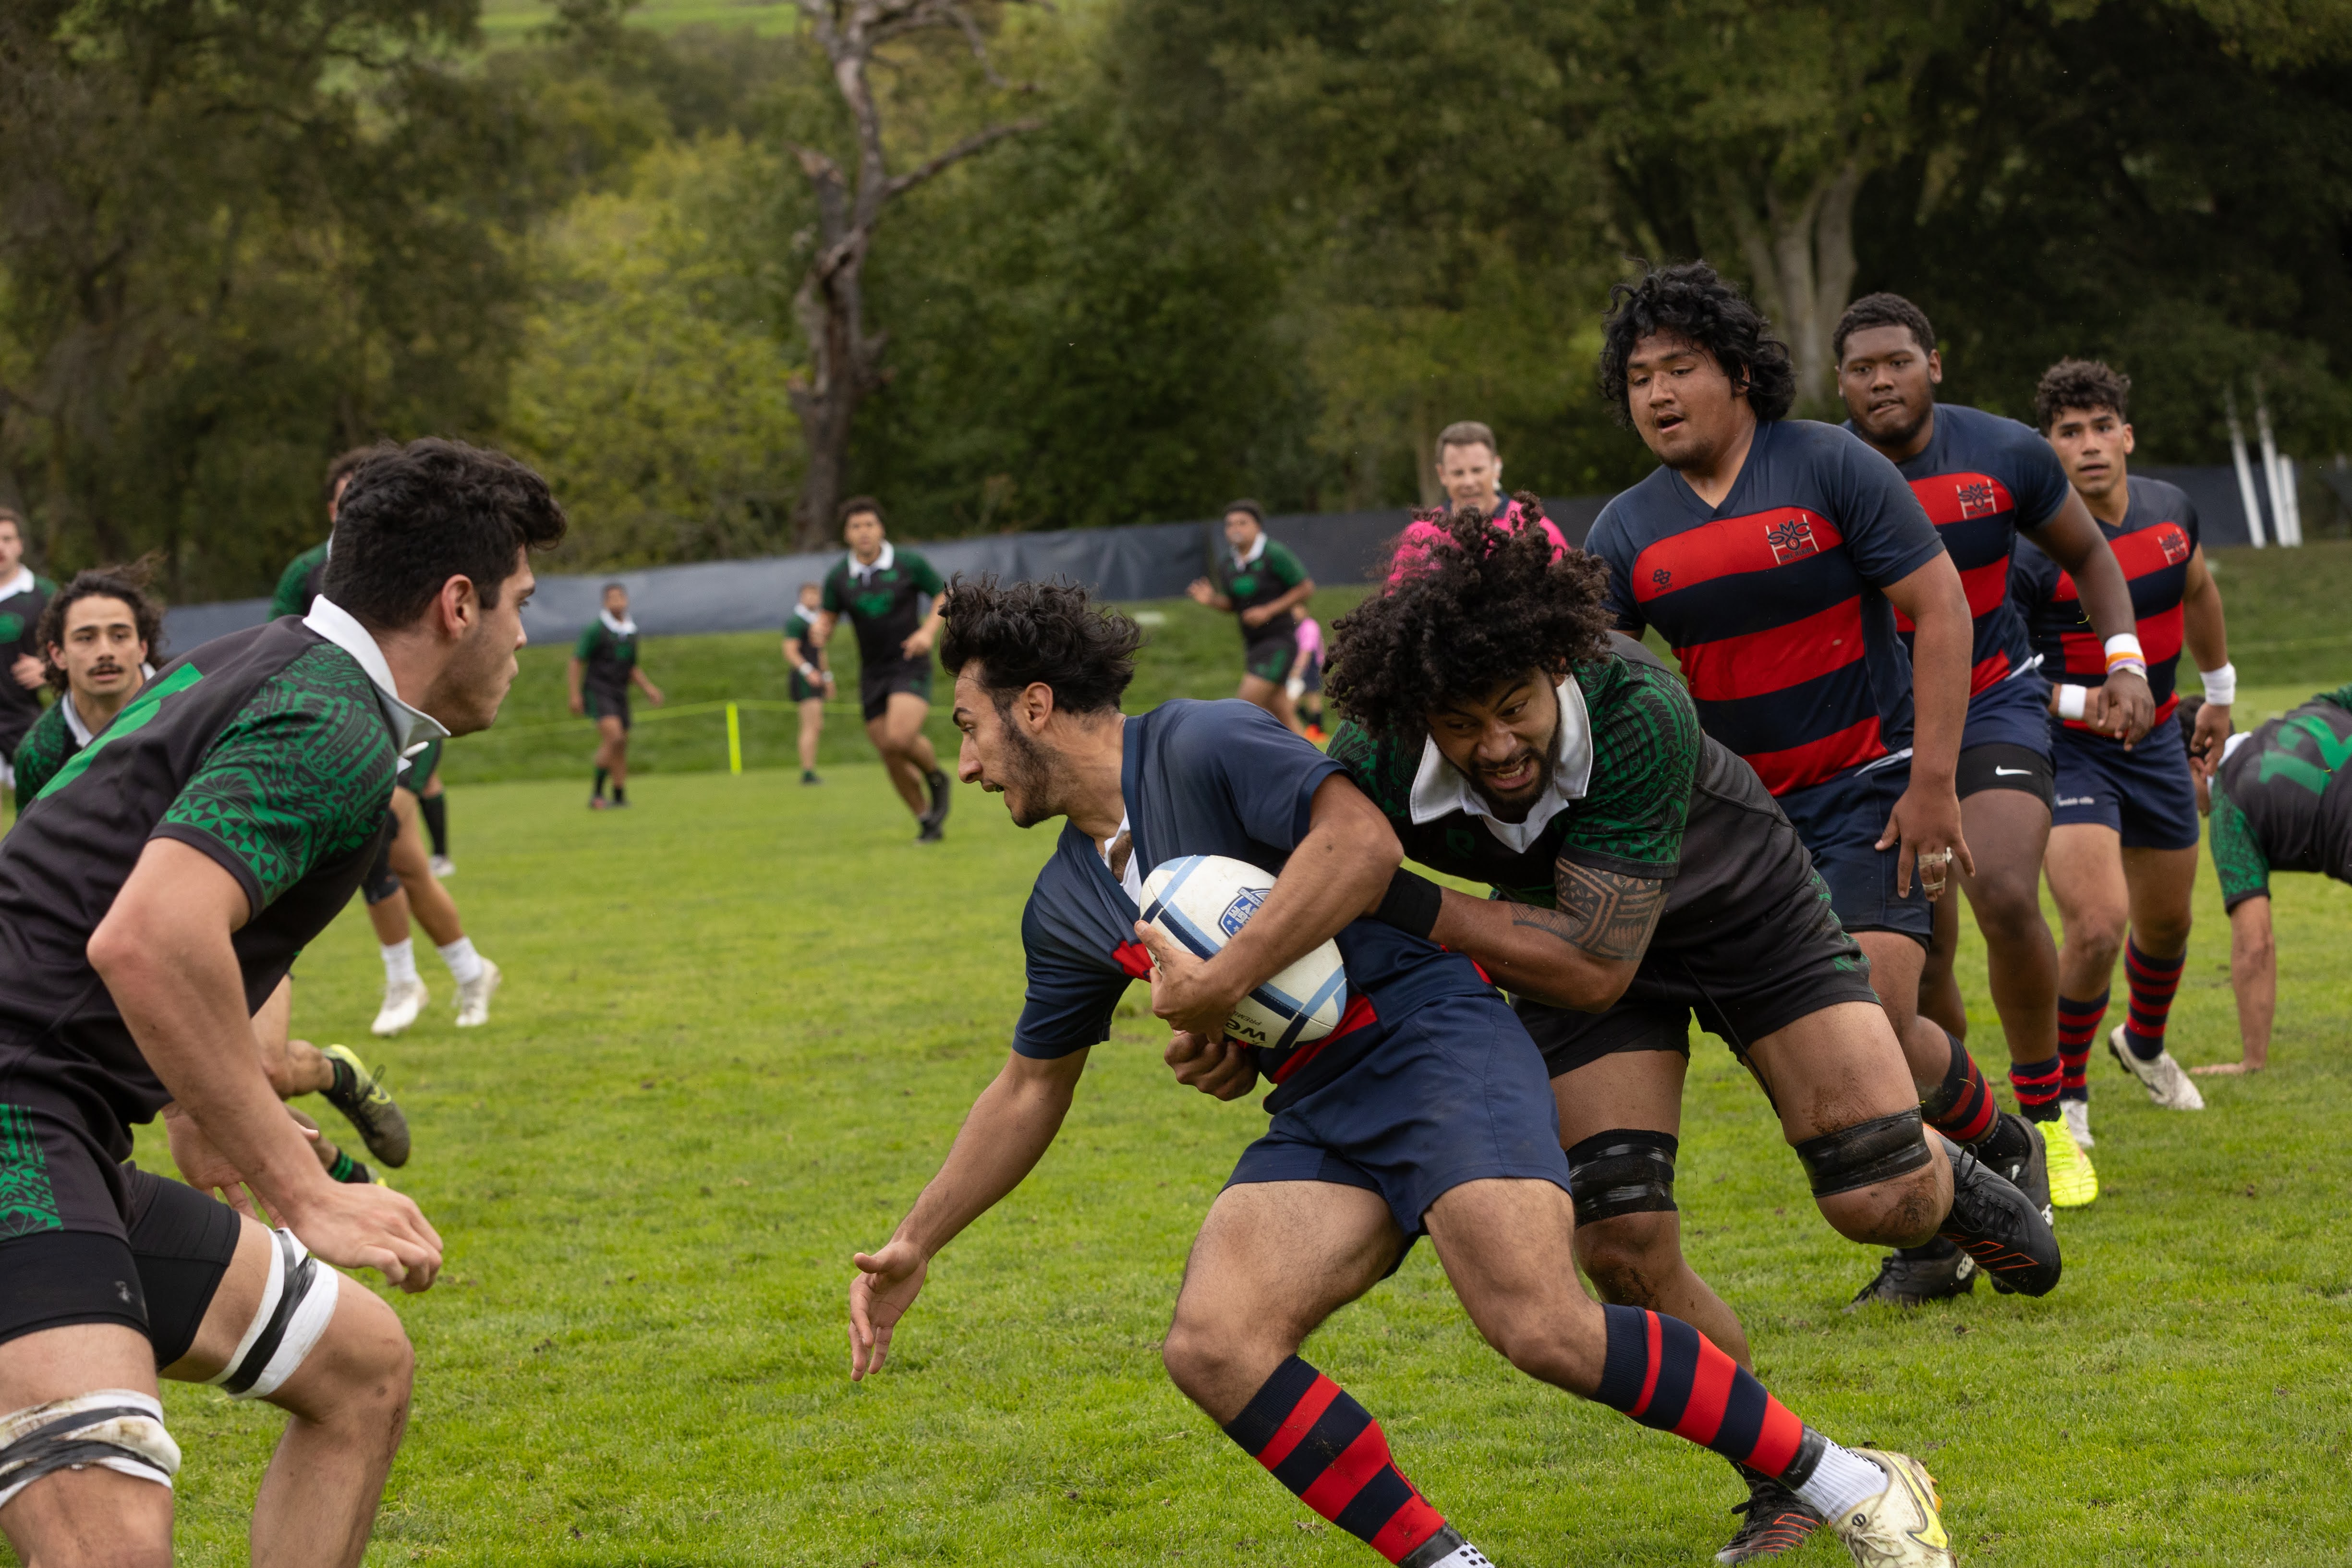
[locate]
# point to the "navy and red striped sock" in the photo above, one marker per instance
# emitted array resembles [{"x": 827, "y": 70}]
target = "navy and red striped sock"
[
  {"x": 2036, "y": 1086},
  {"x": 2078, "y": 1031},
  {"x": 1327, "y": 1450},
  {"x": 2153, "y": 981},
  {"x": 1961, "y": 1107}
]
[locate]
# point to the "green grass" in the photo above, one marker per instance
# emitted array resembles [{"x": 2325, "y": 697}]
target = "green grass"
[{"x": 506, "y": 21}]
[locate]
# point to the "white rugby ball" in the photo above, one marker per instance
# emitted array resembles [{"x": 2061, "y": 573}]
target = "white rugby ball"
[{"x": 1200, "y": 901}]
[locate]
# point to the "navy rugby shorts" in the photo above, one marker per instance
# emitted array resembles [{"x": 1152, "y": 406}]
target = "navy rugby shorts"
[
  {"x": 1839, "y": 821},
  {"x": 2146, "y": 794}
]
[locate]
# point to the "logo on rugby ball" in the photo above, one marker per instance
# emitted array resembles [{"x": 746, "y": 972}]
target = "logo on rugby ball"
[{"x": 1238, "y": 913}]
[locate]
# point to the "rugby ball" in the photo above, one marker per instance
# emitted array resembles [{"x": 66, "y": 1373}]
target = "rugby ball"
[{"x": 1200, "y": 901}]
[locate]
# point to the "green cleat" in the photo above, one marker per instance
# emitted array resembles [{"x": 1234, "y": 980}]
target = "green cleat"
[
  {"x": 366, "y": 1106},
  {"x": 2073, "y": 1183}
]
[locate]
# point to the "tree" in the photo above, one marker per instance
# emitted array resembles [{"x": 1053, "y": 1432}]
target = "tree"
[{"x": 845, "y": 360}]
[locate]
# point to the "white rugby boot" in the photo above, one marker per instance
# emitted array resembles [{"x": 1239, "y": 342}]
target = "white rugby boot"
[
  {"x": 1902, "y": 1526},
  {"x": 443, "y": 866},
  {"x": 474, "y": 996},
  {"x": 402, "y": 1002},
  {"x": 2165, "y": 1083}
]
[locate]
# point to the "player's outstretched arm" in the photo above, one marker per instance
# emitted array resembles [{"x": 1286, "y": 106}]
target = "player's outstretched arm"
[
  {"x": 2073, "y": 539},
  {"x": 2253, "y": 976},
  {"x": 1011, "y": 1126},
  {"x": 1582, "y": 954},
  {"x": 165, "y": 953},
  {"x": 1927, "y": 820},
  {"x": 644, "y": 684}
]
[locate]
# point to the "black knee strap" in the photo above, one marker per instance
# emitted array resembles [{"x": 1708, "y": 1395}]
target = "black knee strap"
[
  {"x": 1623, "y": 1171},
  {"x": 1864, "y": 1155}
]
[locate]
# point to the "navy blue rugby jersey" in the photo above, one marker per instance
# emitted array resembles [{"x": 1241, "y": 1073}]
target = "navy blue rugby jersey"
[
  {"x": 1207, "y": 778},
  {"x": 2158, "y": 536},
  {"x": 1774, "y": 601},
  {"x": 1980, "y": 479}
]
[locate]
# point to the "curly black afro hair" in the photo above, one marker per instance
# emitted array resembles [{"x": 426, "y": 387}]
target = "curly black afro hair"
[
  {"x": 1689, "y": 301},
  {"x": 1485, "y": 604}
]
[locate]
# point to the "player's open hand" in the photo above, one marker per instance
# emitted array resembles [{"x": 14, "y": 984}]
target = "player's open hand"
[
  {"x": 887, "y": 1285},
  {"x": 917, "y": 643},
  {"x": 1222, "y": 1069},
  {"x": 1201, "y": 592},
  {"x": 1926, "y": 824},
  {"x": 354, "y": 1226},
  {"x": 30, "y": 673},
  {"x": 654, "y": 694},
  {"x": 2127, "y": 708},
  {"x": 2210, "y": 738},
  {"x": 579, "y": 706},
  {"x": 1183, "y": 991}
]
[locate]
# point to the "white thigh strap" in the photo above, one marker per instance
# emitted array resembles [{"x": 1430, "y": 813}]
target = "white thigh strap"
[
  {"x": 297, "y": 1300},
  {"x": 113, "y": 1426}
]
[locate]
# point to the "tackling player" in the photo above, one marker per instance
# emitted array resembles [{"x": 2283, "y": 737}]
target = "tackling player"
[
  {"x": 880, "y": 588},
  {"x": 97, "y": 634},
  {"x": 602, "y": 667},
  {"x": 2123, "y": 855},
  {"x": 2279, "y": 801},
  {"x": 1261, "y": 584},
  {"x": 812, "y": 680},
  {"x": 1425, "y": 1111},
  {"x": 1984, "y": 480},
  {"x": 1773, "y": 556},
  {"x": 1642, "y": 873},
  {"x": 150, "y": 900},
  {"x": 23, "y": 671}
]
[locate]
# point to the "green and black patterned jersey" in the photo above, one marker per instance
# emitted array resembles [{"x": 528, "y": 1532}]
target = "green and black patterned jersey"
[
  {"x": 883, "y": 601},
  {"x": 45, "y": 748},
  {"x": 1662, "y": 800},
  {"x": 20, "y": 618},
  {"x": 419, "y": 768},
  {"x": 2283, "y": 800},
  {"x": 300, "y": 583},
  {"x": 1266, "y": 578},
  {"x": 268, "y": 750},
  {"x": 610, "y": 655}
]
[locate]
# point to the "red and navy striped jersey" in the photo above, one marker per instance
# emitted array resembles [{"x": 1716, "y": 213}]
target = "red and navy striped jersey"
[
  {"x": 1981, "y": 477},
  {"x": 2153, "y": 546},
  {"x": 1774, "y": 601}
]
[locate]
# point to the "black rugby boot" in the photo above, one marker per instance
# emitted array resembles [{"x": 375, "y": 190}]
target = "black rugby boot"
[
  {"x": 936, "y": 819},
  {"x": 2014, "y": 1148},
  {"x": 1915, "y": 1276},
  {"x": 2000, "y": 1227},
  {"x": 1776, "y": 1520}
]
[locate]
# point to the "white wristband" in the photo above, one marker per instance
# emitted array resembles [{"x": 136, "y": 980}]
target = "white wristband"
[
  {"x": 2220, "y": 685},
  {"x": 2125, "y": 642},
  {"x": 808, "y": 670},
  {"x": 2071, "y": 699}
]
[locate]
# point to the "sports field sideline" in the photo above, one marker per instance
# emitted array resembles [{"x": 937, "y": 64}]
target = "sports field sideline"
[{"x": 743, "y": 1021}]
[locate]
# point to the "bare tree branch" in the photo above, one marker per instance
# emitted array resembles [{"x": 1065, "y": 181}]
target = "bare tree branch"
[{"x": 900, "y": 184}]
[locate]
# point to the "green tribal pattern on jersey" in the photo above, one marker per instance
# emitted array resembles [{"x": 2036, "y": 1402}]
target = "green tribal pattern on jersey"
[
  {"x": 48, "y": 746},
  {"x": 1646, "y": 749},
  {"x": 27, "y": 1201},
  {"x": 882, "y": 605},
  {"x": 298, "y": 584},
  {"x": 1274, "y": 572},
  {"x": 2283, "y": 800}
]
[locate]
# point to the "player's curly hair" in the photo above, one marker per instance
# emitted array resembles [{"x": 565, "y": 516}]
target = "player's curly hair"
[
  {"x": 1881, "y": 310},
  {"x": 1025, "y": 633},
  {"x": 128, "y": 584},
  {"x": 1687, "y": 300},
  {"x": 2080, "y": 383},
  {"x": 1485, "y": 605}
]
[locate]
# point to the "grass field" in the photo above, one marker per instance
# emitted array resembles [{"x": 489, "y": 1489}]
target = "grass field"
[{"x": 743, "y": 1019}]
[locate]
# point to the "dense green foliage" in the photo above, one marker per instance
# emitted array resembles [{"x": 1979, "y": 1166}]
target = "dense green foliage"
[{"x": 1257, "y": 245}]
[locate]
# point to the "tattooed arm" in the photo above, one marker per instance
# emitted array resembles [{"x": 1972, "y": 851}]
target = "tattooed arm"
[{"x": 1582, "y": 954}]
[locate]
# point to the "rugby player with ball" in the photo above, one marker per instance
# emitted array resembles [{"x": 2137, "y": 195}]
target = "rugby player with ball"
[{"x": 1424, "y": 1110}]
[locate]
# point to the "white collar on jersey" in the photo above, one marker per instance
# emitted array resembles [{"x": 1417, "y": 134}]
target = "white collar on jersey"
[
  {"x": 1255, "y": 550},
  {"x": 2230, "y": 746},
  {"x": 413, "y": 726},
  {"x": 626, "y": 626},
  {"x": 1440, "y": 786},
  {"x": 1130, "y": 879},
  {"x": 81, "y": 732},
  {"x": 22, "y": 582},
  {"x": 881, "y": 561}
]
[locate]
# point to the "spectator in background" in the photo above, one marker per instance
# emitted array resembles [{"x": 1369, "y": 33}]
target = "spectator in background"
[
  {"x": 22, "y": 597},
  {"x": 1260, "y": 582},
  {"x": 1470, "y": 469}
]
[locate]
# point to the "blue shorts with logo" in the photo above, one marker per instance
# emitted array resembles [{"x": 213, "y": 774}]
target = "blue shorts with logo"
[
  {"x": 1455, "y": 1092},
  {"x": 2014, "y": 713},
  {"x": 1839, "y": 821},
  {"x": 2146, "y": 794}
]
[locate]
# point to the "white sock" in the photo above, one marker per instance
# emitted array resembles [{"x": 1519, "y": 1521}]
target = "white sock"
[
  {"x": 1841, "y": 1480},
  {"x": 465, "y": 964},
  {"x": 400, "y": 961},
  {"x": 1462, "y": 1556}
]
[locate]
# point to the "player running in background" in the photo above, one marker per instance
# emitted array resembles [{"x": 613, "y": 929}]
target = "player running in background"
[
  {"x": 1773, "y": 556},
  {"x": 23, "y": 670},
  {"x": 1305, "y": 682},
  {"x": 149, "y": 901},
  {"x": 1425, "y": 1111},
  {"x": 602, "y": 667},
  {"x": 1261, "y": 583},
  {"x": 1984, "y": 480},
  {"x": 1642, "y": 873},
  {"x": 812, "y": 680},
  {"x": 97, "y": 634},
  {"x": 401, "y": 887},
  {"x": 2123, "y": 855},
  {"x": 2280, "y": 799},
  {"x": 881, "y": 588}
]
